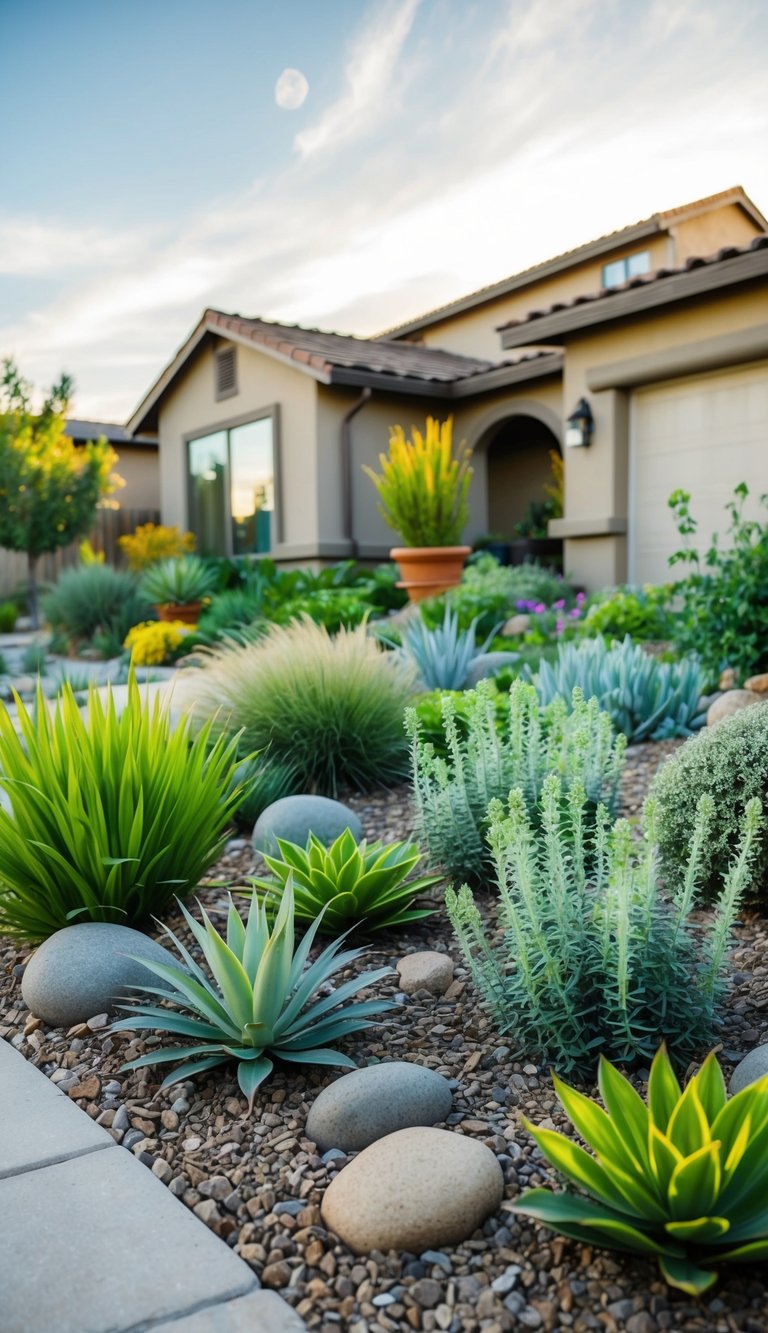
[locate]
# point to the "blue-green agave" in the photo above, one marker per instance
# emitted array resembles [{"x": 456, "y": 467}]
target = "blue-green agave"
[
  {"x": 260, "y": 1000},
  {"x": 683, "y": 1178}
]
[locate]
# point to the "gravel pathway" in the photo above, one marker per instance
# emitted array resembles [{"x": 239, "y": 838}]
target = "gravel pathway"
[{"x": 258, "y": 1182}]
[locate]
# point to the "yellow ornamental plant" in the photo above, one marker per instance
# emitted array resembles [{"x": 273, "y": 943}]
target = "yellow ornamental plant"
[
  {"x": 423, "y": 485},
  {"x": 152, "y": 542},
  {"x": 683, "y": 1178},
  {"x": 154, "y": 642}
]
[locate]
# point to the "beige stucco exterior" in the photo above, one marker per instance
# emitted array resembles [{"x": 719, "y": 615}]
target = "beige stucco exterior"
[{"x": 140, "y": 469}]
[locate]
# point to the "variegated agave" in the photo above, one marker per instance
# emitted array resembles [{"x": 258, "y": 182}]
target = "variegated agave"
[
  {"x": 262, "y": 999},
  {"x": 684, "y": 1179}
]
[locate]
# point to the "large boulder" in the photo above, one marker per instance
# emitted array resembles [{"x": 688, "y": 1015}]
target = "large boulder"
[
  {"x": 361, "y": 1107},
  {"x": 758, "y": 683},
  {"x": 488, "y": 664},
  {"x": 293, "y": 818},
  {"x": 418, "y": 1189},
  {"x": 731, "y": 702},
  {"x": 86, "y": 969},
  {"x": 425, "y": 970},
  {"x": 750, "y": 1069}
]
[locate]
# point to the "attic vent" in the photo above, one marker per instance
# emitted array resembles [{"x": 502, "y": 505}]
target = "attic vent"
[{"x": 226, "y": 376}]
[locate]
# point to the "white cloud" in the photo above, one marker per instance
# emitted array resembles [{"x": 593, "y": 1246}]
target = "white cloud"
[
  {"x": 369, "y": 73},
  {"x": 31, "y": 247},
  {"x": 291, "y": 90}
]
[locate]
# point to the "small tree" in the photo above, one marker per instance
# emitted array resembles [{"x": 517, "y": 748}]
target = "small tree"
[{"x": 49, "y": 489}]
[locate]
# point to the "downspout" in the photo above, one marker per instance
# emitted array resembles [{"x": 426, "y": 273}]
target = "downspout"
[{"x": 346, "y": 470}]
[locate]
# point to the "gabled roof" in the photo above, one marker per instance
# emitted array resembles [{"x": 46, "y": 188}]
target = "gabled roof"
[
  {"x": 637, "y": 231},
  {"x": 82, "y": 431},
  {"x": 335, "y": 358},
  {"x": 728, "y": 268}
]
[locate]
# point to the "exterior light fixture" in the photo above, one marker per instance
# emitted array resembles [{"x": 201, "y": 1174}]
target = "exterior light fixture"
[{"x": 580, "y": 425}]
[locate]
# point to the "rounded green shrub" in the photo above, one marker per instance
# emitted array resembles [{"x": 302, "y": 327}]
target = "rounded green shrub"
[
  {"x": 729, "y": 762},
  {"x": 93, "y": 599}
]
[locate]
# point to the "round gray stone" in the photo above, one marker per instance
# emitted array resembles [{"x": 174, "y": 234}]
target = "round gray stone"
[
  {"x": 750, "y": 1069},
  {"x": 293, "y": 818},
  {"x": 84, "y": 970},
  {"x": 369, "y": 1103},
  {"x": 487, "y": 664}
]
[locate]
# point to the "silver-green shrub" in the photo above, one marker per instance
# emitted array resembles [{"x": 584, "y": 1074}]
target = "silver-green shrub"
[
  {"x": 647, "y": 699},
  {"x": 573, "y": 739},
  {"x": 729, "y": 763},
  {"x": 590, "y": 957}
]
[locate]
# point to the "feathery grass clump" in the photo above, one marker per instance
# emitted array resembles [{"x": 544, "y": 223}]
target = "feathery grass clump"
[{"x": 331, "y": 705}]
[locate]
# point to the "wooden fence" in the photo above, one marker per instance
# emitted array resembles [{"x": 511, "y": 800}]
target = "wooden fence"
[{"x": 110, "y": 524}]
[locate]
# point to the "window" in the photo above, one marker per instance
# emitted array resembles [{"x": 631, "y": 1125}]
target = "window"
[
  {"x": 232, "y": 488},
  {"x": 621, "y": 270},
  {"x": 226, "y": 373}
]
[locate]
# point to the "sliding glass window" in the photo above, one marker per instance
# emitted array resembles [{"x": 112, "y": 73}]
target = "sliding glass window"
[{"x": 232, "y": 488}]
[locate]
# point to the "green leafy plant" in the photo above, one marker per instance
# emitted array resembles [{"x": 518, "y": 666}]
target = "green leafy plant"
[
  {"x": 111, "y": 816},
  {"x": 443, "y": 655},
  {"x": 331, "y": 705},
  {"x": 262, "y": 781},
  {"x": 681, "y": 1179},
  {"x": 49, "y": 487},
  {"x": 724, "y": 613},
  {"x": 452, "y": 794},
  {"x": 348, "y": 882},
  {"x": 34, "y": 659},
  {"x": 642, "y": 613},
  {"x": 592, "y": 957},
  {"x": 91, "y": 600},
  {"x": 9, "y": 614},
  {"x": 3, "y": 665},
  {"x": 177, "y": 582},
  {"x": 646, "y": 699},
  {"x": 489, "y": 592},
  {"x": 729, "y": 763},
  {"x": 423, "y": 486},
  {"x": 260, "y": 999}
]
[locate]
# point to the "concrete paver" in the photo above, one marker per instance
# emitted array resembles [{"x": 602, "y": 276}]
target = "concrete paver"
[{"x": 39, "y": 1124}]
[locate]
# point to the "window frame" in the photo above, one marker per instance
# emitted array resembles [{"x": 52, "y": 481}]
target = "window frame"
[
  {"x": 271, "y": 412},
  {"x": 625, "y": 261}
]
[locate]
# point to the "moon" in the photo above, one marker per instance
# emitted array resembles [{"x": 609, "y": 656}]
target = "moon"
[{"x": 291, "y": 89}]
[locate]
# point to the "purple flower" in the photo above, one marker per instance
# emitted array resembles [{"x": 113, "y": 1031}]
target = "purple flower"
[
  {"x": 575, "y": 613},
  {"x": 559, "y": 606},
  {"x": 538, "y": 607},
  {"x": 559, "y": 626},
  {"x": 580, "y": 597}
]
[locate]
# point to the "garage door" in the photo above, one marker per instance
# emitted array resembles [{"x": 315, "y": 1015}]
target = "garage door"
[{"x": 704, "y": 434}]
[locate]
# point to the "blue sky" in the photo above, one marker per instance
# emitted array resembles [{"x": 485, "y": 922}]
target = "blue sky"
[{"x": 442, "y": 144}]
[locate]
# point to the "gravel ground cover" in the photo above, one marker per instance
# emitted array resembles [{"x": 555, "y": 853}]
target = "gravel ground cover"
[{"x": 258, "y": 1181}]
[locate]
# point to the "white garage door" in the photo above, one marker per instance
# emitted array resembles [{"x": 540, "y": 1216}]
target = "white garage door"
[{"x": 704, "y": 435}]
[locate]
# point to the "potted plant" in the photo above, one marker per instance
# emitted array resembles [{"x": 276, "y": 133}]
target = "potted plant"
[
  {"x": 495, "y": 543},
  {"x": 178, "y": 587},
  {"x": 423, "y": 489}
]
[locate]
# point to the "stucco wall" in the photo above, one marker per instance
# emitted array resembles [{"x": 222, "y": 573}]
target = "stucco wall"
[
  {"x": 191, "y": 407},
  {"x": 140, "y": 469},
  {"x": 709, "y": 232}
]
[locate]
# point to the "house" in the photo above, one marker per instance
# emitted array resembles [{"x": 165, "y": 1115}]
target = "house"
[
  {"x": 662, "y": 328},
  {"x": 137, "y": 461}
]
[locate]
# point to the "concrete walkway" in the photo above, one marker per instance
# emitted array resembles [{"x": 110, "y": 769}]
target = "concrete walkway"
[{"x": 92, "y": 1242}]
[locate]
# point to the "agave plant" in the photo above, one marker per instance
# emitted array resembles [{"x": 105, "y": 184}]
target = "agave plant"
[
  {"x": 683, "y": 1179},
  {"x": 348, "y": 882},
  {"x": 178, "y": 582},
  {"x": 647, "y": 699},
  {"x": 260, "y": 999},
  {"x": 443, "y": 655}
]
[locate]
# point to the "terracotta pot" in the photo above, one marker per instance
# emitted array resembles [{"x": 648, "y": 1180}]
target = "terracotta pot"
[
  {"x": 429, "y": 570},
  {"x": 187, "y": 612}
]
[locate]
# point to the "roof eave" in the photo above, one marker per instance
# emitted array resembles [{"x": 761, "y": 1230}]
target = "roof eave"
[
  {"x": 623, "y": 304},
  {"x": 468, "y": 386}
]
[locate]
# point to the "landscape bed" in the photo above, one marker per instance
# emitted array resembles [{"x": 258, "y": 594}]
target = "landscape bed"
[{"x": 258, "y": 1181}]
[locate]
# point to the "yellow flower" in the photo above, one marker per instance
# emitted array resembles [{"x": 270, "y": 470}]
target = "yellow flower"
[{"x": 153, "y": 642}]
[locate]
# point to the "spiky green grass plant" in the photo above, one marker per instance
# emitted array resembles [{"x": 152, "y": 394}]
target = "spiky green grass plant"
[
  {"x": 593, "y": 956},
  {"x": 452, "y": 794},
  {"x": 682, "y": 1179},
  {"x": 348, "y": 882},
  {"x": 333, "y": 705},
  {"x": 442, "y": 655},
  {"x": 260, "y": 999},
  {"x": 111, "y": 815}
]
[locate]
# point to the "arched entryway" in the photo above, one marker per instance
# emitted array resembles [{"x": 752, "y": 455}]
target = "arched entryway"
[{"x": 519, "y": 466}]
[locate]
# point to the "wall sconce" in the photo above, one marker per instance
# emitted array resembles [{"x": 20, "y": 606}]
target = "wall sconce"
[{"x": 580, "y": 425}]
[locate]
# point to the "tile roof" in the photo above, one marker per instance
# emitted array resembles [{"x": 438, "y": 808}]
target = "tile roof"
[
  {"x": 636, "y": 231},
  {"x": 81, "y": 431},
  {"x": 325, "y": 353},
  {"x": 644, "y": 280}
]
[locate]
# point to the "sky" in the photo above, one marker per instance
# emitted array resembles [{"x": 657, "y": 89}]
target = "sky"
[{"x": 343, "y": 164}]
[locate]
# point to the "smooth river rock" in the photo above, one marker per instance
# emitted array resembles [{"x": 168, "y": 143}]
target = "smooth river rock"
[
  {"x": 293, "y": 818},
  {"x": 416, "y": 1190},
  {"x": 488, "y": 664},
  {"x": 361, "y": 1107},
  {"x": 83, "y": 970},
  {"x": 731, "y": 702},
  {"x": 426, "y": 970},
  {"x": 750, "y": 1069}
]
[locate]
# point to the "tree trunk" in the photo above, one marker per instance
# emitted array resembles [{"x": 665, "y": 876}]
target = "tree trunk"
[{"x": 32, "y": 590}]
